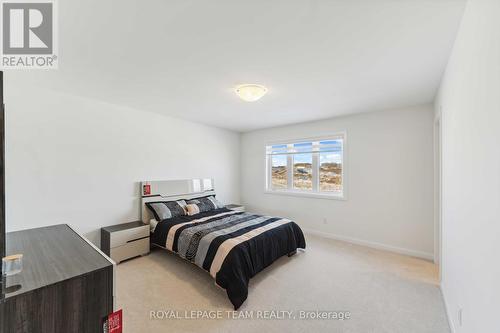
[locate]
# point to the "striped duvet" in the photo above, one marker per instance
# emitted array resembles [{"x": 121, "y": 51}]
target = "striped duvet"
[{"x": 231, "y": 246}]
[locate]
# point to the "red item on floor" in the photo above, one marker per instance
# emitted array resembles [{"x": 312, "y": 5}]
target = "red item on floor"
[{"x": 113, "y": 322}]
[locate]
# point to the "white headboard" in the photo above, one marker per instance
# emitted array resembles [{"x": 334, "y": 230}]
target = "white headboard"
[{"x": 171, "y": 190}]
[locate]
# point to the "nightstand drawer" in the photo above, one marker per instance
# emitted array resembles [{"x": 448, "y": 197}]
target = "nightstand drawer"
[
  {"x": 123, "y": 237},
  {"x": 130, "y": 250}
]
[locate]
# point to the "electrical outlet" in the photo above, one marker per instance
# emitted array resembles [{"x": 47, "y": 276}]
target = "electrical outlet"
[
  {"x": 460, "y": 311},
  {"x": 325, "y": 221}
]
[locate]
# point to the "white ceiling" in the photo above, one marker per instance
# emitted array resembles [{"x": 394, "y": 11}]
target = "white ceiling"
[{"x": 319, "y": 58}]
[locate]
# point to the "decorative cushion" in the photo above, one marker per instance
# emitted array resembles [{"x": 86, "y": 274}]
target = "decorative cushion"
[
  {"x": 204, "y": 204},
  {"x": 192, "y": 209},
  {"x": 167, "y": 209}
]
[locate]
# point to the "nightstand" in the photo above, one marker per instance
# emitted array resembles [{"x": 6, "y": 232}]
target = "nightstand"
[
  {"x": 125, "y": 241},
  {"x": 236, "y": 207}
]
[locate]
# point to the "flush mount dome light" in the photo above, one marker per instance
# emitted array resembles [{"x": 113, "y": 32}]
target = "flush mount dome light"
[{"x": 250, "y": 92}]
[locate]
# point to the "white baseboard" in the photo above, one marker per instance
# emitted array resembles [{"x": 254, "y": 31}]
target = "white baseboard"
[
  {"x": 374, "y": 245},
  {"x": 447, "y": 310}
]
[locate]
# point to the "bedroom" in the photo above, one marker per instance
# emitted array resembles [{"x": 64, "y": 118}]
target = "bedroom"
[{"x": 373, "y": 137}]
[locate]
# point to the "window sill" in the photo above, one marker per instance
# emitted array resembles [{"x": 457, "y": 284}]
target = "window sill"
[{"x": 308, "y": 195}]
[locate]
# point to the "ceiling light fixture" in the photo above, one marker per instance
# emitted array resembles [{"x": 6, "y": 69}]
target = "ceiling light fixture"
[{"x": 250, "y": 92}]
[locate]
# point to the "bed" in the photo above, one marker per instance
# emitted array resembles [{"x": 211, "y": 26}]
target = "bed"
[{"x": 231, "y": 246}]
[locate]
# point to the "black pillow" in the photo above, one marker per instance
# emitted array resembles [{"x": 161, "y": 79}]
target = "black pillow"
[{"x": 163, "y": 210}]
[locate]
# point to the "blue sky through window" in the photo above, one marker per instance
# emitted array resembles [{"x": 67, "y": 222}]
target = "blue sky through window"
[
  {"x": 279, "y": 148},
  {"x": 330, "y": 152},
  {"x": 332, "y": 145},
  {"x": 279, "y": 160},
  {"x": 330, "y": 158},
  {"x": 302, "y": 158}
]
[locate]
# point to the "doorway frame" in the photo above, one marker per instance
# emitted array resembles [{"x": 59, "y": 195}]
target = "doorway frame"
[{"x": 438, "y": 189}]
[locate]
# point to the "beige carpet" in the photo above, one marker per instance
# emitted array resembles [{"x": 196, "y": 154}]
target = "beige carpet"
[{"x": 384, "y": 292}]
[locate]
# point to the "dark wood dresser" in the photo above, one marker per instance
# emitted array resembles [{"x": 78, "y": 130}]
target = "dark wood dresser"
[{"x": 66, "y": 285}]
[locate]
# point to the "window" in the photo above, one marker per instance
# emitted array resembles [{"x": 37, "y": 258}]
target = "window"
[
  {"x": 280, "y": 175},
  {"x": 307, "y": 167}
]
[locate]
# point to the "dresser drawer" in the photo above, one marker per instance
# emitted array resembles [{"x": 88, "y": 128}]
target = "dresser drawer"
[
  {"x": 130, "y": 250},
  {"x": 123, "y": 237}
]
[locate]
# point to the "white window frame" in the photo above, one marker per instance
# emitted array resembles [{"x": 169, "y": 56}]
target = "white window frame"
[{"x": 315, "y": 193}]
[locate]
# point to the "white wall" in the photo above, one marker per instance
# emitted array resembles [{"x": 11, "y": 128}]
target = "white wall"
[
  {"x": 79, "y": 161},
  {"x": 390, "y": 180},
  {"x": 470, "y": 102}
]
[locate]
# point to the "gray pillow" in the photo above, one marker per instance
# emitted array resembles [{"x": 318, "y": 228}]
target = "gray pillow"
[
  {"x": 206, "y": 204},
  {"x": 163, "y": 210}
]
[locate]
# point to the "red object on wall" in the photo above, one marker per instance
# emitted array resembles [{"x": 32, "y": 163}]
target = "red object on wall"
[
  {"x": 147, "y": 189},
  {"x": 113, "y": 322}
]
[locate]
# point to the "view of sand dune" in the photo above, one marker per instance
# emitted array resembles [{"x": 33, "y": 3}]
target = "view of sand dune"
[{"x": 330, "y": 177}]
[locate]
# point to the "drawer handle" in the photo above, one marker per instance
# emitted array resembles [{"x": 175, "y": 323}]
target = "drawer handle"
[{"x": 136, "y": 239}]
